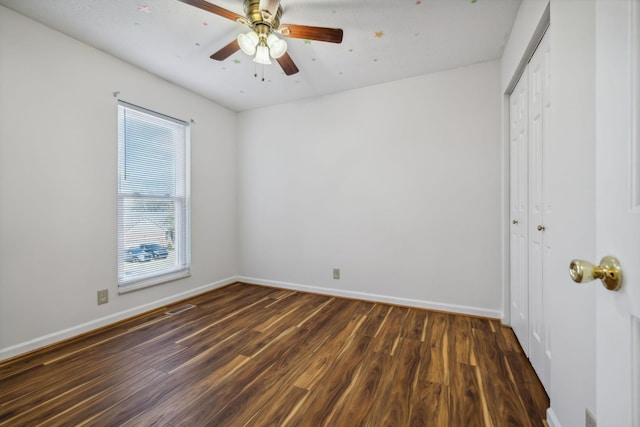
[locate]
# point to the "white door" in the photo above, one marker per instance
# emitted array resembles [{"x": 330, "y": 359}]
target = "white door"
[
  {"x": 518, "y": 265},
  {"x": 529, "y": 205},
  {"x": 618, "y": 210},
  {"x": 539, "y": 209}
]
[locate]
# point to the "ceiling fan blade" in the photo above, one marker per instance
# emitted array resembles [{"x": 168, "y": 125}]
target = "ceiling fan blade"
[
  {"x": 270, "y": 6},
  {"x": 331, "y": 35},
  {"x": 205, "y": 5},
  {"x": 226, "y": 51},
  {"x": 287, "y": 64}
]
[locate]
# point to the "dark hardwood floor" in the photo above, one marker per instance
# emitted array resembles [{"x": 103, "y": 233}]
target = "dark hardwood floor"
[{"x": 255, "y": 356}]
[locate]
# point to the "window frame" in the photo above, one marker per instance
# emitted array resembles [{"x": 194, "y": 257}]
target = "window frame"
[{"x": 181, "y": 201}]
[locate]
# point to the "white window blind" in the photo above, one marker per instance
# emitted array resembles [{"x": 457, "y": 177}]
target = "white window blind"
[{"x": 153, "y": 198}]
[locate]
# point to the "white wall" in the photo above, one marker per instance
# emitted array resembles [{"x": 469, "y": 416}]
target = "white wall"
[
  {"x": 58, "y": 164},
  {"x": 572, "y": 193},
  {"x": 397, "y": 184}
]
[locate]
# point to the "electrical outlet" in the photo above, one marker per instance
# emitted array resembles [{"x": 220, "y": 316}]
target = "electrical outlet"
[
  {"x": 336, "y": 273},
  {"x": 103, "y": 296}
]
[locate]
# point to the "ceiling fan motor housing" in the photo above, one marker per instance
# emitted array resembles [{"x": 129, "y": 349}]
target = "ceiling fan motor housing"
[{"x": 262, "y": 21}]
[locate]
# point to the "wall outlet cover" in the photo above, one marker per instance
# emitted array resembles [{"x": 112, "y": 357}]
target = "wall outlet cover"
[{"x": 103, "y": 296}]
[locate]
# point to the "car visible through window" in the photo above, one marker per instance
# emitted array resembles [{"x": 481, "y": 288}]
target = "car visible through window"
[
  {"x": 155, "y": 250},
  {"x": 137, "y": 255}
]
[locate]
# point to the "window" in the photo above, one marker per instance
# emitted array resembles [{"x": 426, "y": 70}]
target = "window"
[{"x": 153, "y": 198}]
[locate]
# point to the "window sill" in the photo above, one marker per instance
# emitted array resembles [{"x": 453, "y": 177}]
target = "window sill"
[{"x": 154, "y": 281}]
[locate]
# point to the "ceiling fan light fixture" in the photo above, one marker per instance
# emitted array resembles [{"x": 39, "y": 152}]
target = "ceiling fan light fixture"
[
  {"x": 248, "y": 42},
  {"x": 262, "y": 55},
  {"x": 277, "y": 47},
  {"x": 263, "y": 18}
]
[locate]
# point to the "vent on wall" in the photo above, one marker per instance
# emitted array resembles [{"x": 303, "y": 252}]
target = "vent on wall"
[{"x": 179, "y": 310}]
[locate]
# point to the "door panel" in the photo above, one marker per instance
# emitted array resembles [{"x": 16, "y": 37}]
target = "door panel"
[
  {"x": 618, "y": 210},
  {"x": 519, "y": 134},
  {"x": 545, "y": 49},
  {"x": 539, "y": 208}
]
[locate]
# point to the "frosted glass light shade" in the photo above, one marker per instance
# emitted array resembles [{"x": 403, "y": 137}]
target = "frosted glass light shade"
[
  {"x": 277, "y": 47},
  {"x": 262, "y": 55},
  {"x": 248, "y": 42}
]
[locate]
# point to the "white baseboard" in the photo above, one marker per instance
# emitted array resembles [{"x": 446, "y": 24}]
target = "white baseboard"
[
  {"x": 552, "y": 420},
  {"x": 58, "y": 336},
  {"x": 461, "y": 309},
  {"x": 62, "y": 335}
]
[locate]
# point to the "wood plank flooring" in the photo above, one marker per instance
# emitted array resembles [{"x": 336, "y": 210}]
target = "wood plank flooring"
[{"x": 248, "y": 355}]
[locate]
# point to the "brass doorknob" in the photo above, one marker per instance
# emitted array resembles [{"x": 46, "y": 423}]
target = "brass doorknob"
[
  {"x": 609, "y": 272},
  {"x": 541, "y": 228}
]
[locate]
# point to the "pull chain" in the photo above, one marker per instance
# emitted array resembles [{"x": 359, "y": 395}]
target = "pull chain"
[{"x": 255, "y": 71}]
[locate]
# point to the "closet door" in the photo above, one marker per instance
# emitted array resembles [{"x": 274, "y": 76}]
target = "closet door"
[
  {"x": 539, "y": 209},
  {"x": 529, "y": 204},
  {"x": 519, "y": 273}
]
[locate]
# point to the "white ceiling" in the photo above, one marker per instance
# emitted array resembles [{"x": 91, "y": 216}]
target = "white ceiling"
[{"x": 384, "y": 40}]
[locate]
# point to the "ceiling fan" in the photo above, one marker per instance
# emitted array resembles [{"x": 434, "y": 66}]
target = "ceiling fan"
[{"x": 263, "y": 17}]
